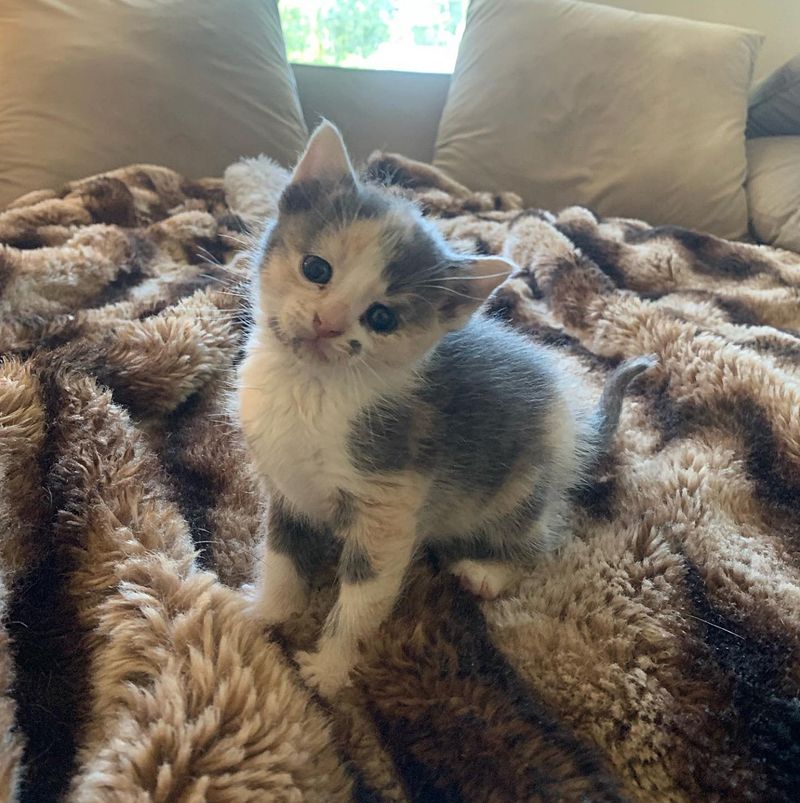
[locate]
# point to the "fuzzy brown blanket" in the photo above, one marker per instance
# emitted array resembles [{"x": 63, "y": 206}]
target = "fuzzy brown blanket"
[{"x": 656, "y": 658}]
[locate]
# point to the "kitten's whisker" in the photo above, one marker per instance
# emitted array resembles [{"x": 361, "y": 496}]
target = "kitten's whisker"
[
  {"x": 233, "y": 294},
  {"x": 221, "y": 310},
  {"x": 231, "y": 289},
  {"x": 454, "y": 292},
  {"x": 381, "y": 379},
  {"x": 203, "y": 260},
  {"x": 233, "y": 275},
  {"x": 433, "y": 272},
  {"x": 235, "y": 307},
  {"x": 232, "y": 266},
  {"x": 472, "y": 278},
  {"x": 209, "y": 256},
  {"x": 232, "y": 283},
  {"x": 240, "y": 240},
  {"x": 422, "y": 298}
]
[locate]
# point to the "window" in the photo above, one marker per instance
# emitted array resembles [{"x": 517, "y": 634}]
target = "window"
[{"x": 415, "y": 35}]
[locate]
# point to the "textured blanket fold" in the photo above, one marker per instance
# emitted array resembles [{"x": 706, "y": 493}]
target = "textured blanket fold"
[{"x": 655, "y": 658}]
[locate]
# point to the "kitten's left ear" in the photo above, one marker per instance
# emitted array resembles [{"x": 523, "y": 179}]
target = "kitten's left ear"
[
  {"x": 325, "y": 156},
  {"x": 482, "y": 276},
  {"x": 488, "y": 273}
]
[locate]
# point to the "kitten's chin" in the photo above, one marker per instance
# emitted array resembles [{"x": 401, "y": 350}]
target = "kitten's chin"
[
  {"x": 309, "y": 350},
  {"x": 316, "y": 352}
]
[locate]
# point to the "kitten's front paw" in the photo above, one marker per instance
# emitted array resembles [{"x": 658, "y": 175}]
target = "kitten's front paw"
[
  {"x": 325, "y": 671},
  {"x": 274, "y": 606}
]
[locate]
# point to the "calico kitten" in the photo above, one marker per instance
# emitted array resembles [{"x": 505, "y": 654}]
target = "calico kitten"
[{"x": 385, "y": 412}]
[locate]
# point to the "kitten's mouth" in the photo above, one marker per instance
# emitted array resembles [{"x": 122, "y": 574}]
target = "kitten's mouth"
[{"x": 316, "y": 348}]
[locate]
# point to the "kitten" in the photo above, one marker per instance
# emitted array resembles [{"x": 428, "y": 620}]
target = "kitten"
[{"x": 385, "y": 412}]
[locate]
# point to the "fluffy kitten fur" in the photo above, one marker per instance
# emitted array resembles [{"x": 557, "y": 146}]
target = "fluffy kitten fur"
[{"x": 450, "y": 431}]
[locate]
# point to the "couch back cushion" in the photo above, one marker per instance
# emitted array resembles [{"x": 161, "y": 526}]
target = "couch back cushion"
[
  {"x": 634, "y": 115},
  {"x": 778, "y": 20},
  {"x": 773, "y": 190},
  {"x": 87, "y": 86}
]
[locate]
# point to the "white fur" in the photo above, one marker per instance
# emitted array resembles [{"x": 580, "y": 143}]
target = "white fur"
[
  {"x": 486, "y": 579},
  {"x": 296, "y": 423},
  {"x": 297, "y": 427},
  {"x": 282, "y": 593},
  {"x": 359, "y": 609},
  {"x": 253, "y": 187}
]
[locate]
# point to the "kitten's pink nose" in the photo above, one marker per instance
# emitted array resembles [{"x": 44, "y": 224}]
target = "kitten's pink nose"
[{"x": 327, "y": 327}]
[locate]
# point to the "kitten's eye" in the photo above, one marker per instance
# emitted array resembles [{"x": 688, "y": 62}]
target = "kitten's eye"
[
  {"x": 380, "y": 318},
  {"x": 316, "y": 269}
]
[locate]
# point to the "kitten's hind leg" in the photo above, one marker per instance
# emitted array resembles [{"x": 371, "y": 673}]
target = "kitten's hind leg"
[
  {"x": 491, "y": 561},
  {"x": 487, "y": 579}
]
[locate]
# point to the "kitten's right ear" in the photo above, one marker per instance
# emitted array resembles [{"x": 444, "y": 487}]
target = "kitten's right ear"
[{"x": 325, "y": 157}]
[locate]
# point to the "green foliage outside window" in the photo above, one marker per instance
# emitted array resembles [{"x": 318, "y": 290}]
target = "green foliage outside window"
[
  {"x": 450, "y": 14},
  {"x": 386, "y": 34},
  {"x": 335, "y": 31}
]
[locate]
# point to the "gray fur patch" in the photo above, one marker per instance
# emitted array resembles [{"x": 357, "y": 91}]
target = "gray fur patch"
[
  {"x": 354, "y": 564},
  {"x": 328, "y": 203},
  {"x": 513, "y": 537},
  {"x": 479, "y": 412},
  {"x": 490, "y": 393},
  {"x": 301, "y": 196},
  {"x": 361, "y": 203},
  {"x": 345, "y": 511},
  {"x": 380, "y": 437},
  {"x": 419, "y": 273},
  {"x": 416, "y": 309},
  {"x": 414, "y": 257},
  {"x": 309, "y": 548}
]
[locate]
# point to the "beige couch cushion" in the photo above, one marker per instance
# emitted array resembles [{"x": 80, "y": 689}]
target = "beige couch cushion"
[
  {"x": 778, "y": 20},
  {"x": 631, "y": 114},
  {"x": 87, "y": 86},
  {"x": 773, "y": 189}
]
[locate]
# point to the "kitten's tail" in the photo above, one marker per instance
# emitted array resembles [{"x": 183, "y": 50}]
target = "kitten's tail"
[{"x": 606, "y": 416}]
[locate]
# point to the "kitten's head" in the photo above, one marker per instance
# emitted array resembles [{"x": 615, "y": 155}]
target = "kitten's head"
[{"x": 352, "y": 274}]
